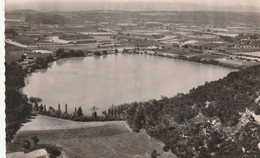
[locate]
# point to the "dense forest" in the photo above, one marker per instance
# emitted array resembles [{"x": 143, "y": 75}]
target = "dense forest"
[
  {"x": 18, "y": 110},
  {"x": 213, "y": 120}
]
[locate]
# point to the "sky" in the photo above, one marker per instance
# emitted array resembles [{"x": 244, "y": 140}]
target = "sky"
[
  {"x": 214, "y": 2},
  {"x": 48, "y": 4}
]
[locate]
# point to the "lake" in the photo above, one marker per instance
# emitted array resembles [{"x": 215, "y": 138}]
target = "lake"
[{"x": 116, "y": 79}]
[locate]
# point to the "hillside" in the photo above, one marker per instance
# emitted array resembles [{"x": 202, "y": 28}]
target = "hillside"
[
  {"x": 217, "y": 119},
  {"x": 199, "y": 17},
  {"x": 44, "y": 18}
]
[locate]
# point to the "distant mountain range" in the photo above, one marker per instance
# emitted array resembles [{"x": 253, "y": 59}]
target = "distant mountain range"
[
  {"x": 130, "y": 6},
  {"x": 222, "y": 18}
]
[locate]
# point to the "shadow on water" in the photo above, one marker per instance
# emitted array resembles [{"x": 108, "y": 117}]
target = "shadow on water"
[
  {"x": 61, "y": 61},
  {"x": 97, "y": 57},
  {"x": 72, "y": 59},
  {"x": 42, "y": 70}
]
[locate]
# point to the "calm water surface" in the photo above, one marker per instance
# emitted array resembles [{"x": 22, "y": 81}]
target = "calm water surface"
[{"x": 116, "y": 79}]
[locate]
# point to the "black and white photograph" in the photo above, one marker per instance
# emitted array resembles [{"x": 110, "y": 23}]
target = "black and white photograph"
[{"x": 131, "y": 79}]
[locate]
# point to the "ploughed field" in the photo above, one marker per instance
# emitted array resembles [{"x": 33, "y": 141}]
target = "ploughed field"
[{"x": 90, "y": 139}]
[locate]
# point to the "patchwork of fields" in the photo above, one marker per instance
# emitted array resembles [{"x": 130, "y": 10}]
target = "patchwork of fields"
[{"x": 89, "y": 139}]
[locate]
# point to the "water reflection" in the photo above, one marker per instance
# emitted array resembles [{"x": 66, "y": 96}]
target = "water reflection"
[
  {"x": 41, "y": 70},
  {"x": 60, "y": 61},
  {"x": 117, "y": 79},
  {"x": 65, "y": 60}
]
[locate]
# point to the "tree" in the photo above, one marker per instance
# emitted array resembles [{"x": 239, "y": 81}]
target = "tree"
[
  {"x": 23, "y": 57},
  {"x": 79, "y": 112},
  {"x": 44, "y": 108},
  {"x": 125, "y": 50},
  {"x": 26, "y": 144},
  {"x": 94, "y": 111},
  {"x": 66, "y": 108},
  {"x": 104, "y": 52},
  {"x": 154, "y": 154},
  {"x": 94, "y": 114},
  {"x": 112, "y": 111},
  {"x": 109, "y": 112},
  {"x": 104, "y": 113},
  {"x": 35, "y": 99},
  {"x": 59, "y": 108},
  {"x": 49, "y": 58},
  {"x": 97, "y": 53},
  {"x": 71, "y": 52},
  {"x": 60, "y": 52},
  {"x": 186, "y": 46},
  {"x": 75, "y": 111},
  {"x": 36, "y": 106},
  {"x": 41, "y": 108},
  {"x": 35, "y": 140},
  {"x": 115, "y": 112}
]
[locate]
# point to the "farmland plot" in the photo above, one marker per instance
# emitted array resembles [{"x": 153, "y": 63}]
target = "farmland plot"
[{"x": 91, "y": 139}]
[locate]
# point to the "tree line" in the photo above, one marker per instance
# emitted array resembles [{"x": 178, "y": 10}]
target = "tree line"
[
  {"x": 62, "y": 53},
  {"x": 17, "y": 108},
  {"x": 113, "y": 113}
]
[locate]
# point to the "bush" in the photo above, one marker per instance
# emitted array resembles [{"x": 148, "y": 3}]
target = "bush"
[
  {"x": 27, "y": 144},
  {"x": 97, "y": 53},
  {"x": 53, "y": 150}
]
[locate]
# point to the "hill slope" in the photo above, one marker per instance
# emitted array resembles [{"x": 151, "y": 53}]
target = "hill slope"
[
  {"x": 88, "y": 139},
  {"x": 214, "y": 120}
]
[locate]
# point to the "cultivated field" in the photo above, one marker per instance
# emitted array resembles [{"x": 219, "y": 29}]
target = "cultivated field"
[
  {"x": 252, "y": 53},
  {"x": 90, "y": 139}
]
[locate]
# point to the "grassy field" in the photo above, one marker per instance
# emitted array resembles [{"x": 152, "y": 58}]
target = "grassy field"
[
  {"x": 252, "y": 53},
  {"x": 208, "y": 56},
  {"x": 89, "y": 139}
]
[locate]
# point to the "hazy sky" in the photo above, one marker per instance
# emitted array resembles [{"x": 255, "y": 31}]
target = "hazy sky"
[
  {"x": 30, "y": 4},
  {"x": 215, "y": 2}
]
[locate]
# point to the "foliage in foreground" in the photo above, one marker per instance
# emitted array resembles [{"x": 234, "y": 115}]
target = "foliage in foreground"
[
  {"x": 17, "y": 108},
  {"x": 213, "y": 120}
]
